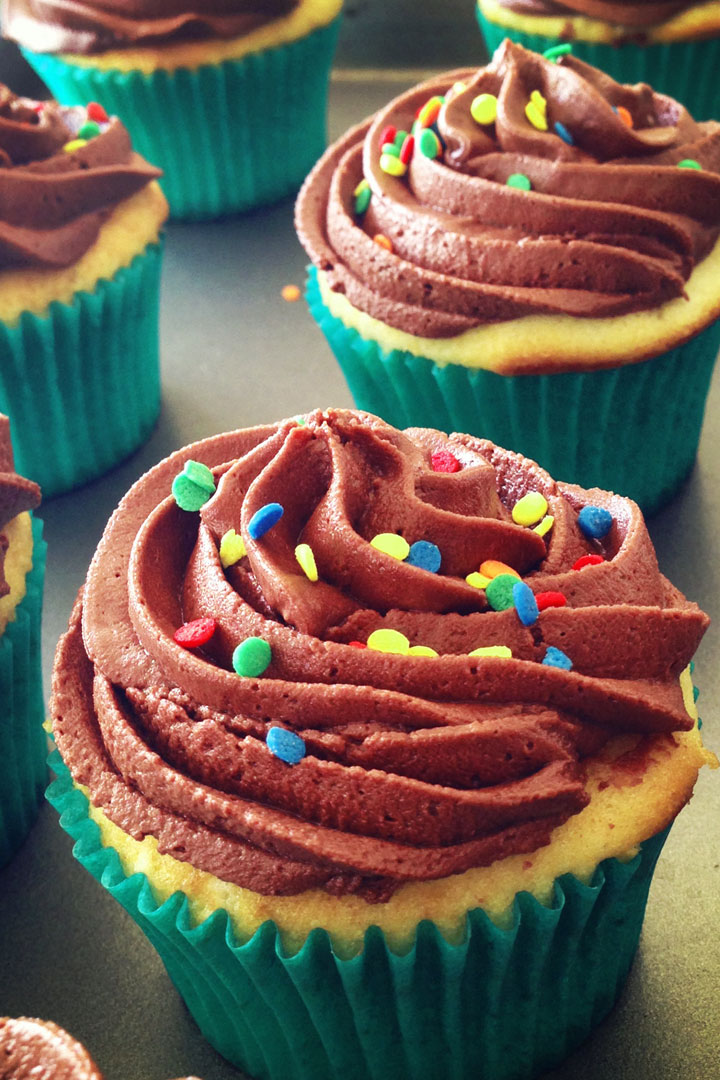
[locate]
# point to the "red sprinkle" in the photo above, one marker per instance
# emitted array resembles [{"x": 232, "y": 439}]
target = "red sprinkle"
[
  {"x": 588, "y": 560},
  {"x": 444, "y": 461},
  {"x": 357, "y": 644},
  {"x": 39, "y": 107},
  {"x": 195, "y": 633},
  {"x": 97, "y": 113},
  {"x": 549, "y": 599},
  {"x": 406, "y": 150},
  {"x": 388, "y": 135}
]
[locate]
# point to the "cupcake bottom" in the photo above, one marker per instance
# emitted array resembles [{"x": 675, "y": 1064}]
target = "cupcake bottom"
[
  {"x": 685, "y": 70},
  {"x": 23, "y": 744},
  {"x": 229, "y": 136},
  {"x": 502, "y": 1004},
  {"x": 605, "y": 428},
  {"x": 81, "y": 383}
]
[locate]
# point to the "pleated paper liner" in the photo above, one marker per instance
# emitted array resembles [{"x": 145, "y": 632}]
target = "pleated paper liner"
[
  {"x": 632, "y": 429},
  {"x": 228, "y": 137},
  {"x": 23, "y": 743},
  {"x": 685, "y": 70},
  {"x": 81, "y": 383},
  {"x": 504, "y": 1004}
]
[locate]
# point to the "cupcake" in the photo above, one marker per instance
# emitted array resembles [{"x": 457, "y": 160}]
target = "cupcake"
[
  {"x": 37, "y": 1049},
  {"x": 228, "y": 97},
  {"x": 672, "y": 44},
  {"x": 377, "y": 735},
  {"x": 80, "y": 253},
  {"x": 529, "y": 253},
  {"x": 23, "y": 750}
]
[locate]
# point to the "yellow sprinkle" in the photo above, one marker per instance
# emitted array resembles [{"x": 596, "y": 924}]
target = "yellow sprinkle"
[
  {"x": 291, "y": 293},
  {"x": 545, "y": 525},
  {"x": 538, "y": 100},
  {"x": 361, "y": 187},
  {"x": 304, "y": 555},
  {"x": 391, "y": 544},
  {"x": 536, "y": 116},
  {"x": 458, "y": 88},
  {"x": 421, "y": 650},
  {"x": 388, "y": 641},
  {"x": 492, "y": 568},
  {"x": 74, "y": 144},
  {"x": 484, "y": 109},
  {"x": 392, "y": 166},
  {"x": 530, "y": 509},
  {"x": 493, "y": 650},
  {"x": 232, "y": 548},
  {"x": 478, "y": 581}
]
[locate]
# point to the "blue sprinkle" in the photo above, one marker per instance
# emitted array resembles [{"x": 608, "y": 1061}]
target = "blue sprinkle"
[
  {"x": 563, "y": 132},
  {"x": 425, "y": 555},
  {"x": 264, "y": 519},
  {"x": 696, "y": 693},
  {"x": 525, "y": 603},
  {"x": 557, "y": 658},
  {"x": 595, "y": 521},
  {"x": 285, "y": 745}
]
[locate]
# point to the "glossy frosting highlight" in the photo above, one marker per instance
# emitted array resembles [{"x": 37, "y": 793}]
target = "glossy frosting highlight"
[
  {"x": 83, "y": 26},
  {"x": 611, "y": 224},
  {"x": 53, "y": 201},
  {"x": 416, "y": 767}
]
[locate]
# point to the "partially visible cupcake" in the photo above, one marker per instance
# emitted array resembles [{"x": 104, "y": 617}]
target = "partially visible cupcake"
[
  {"x": 33, "y": 1049},
  {"x": 674, "y": 45},
  {"x": 23, "y": 745},
  {"x": 377, "y": 735},
  {"x": 80, "y": 256},
  {"x": 528, "y": 252},
  {"x": 228, "y": 97}
]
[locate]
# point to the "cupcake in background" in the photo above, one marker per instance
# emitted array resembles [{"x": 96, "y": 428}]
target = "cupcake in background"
[
  {"x": 528, "y": 252},
  {"x": 33, "y": 1049},
  {"x": 80, "y": 256},
  {"x": 377, "y": 735},
  {"x": 23, "y": 745},
  {"x": 674, "y": 45},
  {"x": 227, "y": 97}
]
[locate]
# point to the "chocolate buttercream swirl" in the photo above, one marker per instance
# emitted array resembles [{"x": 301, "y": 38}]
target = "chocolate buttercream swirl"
[
  {"x": 630, "y": 13},
  {"x": 611, "y": 225},
  {"x": 415, "y": 766},
  {"x": 53, "y": 201},
  {"x": 81, "y": 26}
]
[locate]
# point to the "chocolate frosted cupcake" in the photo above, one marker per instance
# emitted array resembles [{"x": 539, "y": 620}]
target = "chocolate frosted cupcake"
[
  {"x": 23, "y": 747},
  {"x": 80, "y": 216},
  {"x": 672, "y": 44},
  {"x": 40, "y": 1050},
  {"x": 382, "y": 729},
  {"x": 528, "y": 252},
  {"x": 228, "y": 97}
]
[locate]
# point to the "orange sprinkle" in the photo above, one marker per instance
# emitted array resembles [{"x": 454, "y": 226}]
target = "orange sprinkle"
[
  {"x": 290, "y": 293},
  {"x": 625, "y": 116},
  {"x": 492, "y": 568},
  {"x": 383, "y": 241}
]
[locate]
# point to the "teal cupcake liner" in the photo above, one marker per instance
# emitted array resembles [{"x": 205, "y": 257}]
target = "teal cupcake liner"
[
  {"x": 601, "y": 428},
  {"x": 23, "y": 743},
  {"x": 504, "y": 1004},
  {"x": 228, "y": 137},
  {"x": 685, "y": 70},
  {"x": 81, "y": 383}
]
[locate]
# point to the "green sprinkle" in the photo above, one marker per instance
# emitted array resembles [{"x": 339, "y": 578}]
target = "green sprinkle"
[
  {"x": 363, "y": 194},
  {"x": 689, "y": 163},
  {"x": 557, "y": 51},
  {"x": 89, "y": 130},
  {"x": 252, "y": 657},
  {"x": 392, "y": 149},
  {"x": 398, "y": 140},
  {"x": 520, "y": 181},
  {"x": 499, "y": 592},
  {"x": 428, "y": 143},
  {"x": 194, "y": 486}
]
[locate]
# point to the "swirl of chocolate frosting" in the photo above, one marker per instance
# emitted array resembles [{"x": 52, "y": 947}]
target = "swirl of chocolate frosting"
[
  {"x": 611, "y": 225},
  {"x": 629, "y": 13},
  {"x": 83, "y": 26},
  {"x": 53, "y": 201},
  {"x": 415, "y": 766}
]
